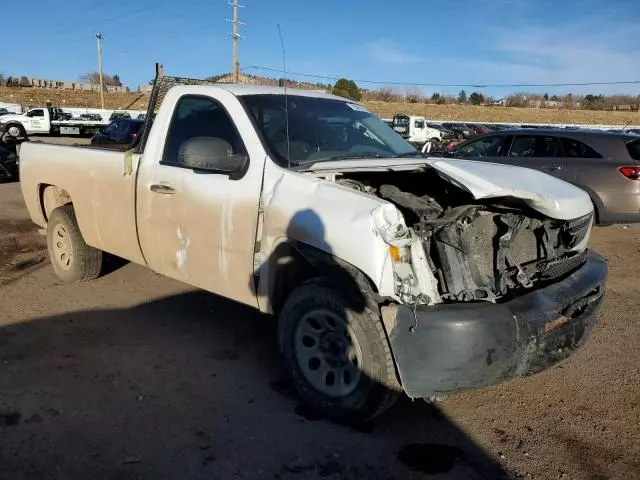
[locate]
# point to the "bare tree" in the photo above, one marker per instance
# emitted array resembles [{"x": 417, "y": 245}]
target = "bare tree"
[
  {"x": 413, "y": 95},
  {"x": 386, "y": 94},
  {"x": 107, "y": 79}
]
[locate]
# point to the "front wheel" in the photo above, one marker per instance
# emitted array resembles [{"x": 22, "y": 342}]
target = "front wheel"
[
  {"x": 340, "y": 360},
  {"x": 16, "y": 130},
  {"x": 72, "y": 259}
]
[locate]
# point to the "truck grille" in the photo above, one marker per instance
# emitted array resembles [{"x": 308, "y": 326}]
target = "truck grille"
[{"x": 561, "y": 266}]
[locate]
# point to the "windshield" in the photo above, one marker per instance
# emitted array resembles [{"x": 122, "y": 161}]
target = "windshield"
[{"x": 322, "y": 129}]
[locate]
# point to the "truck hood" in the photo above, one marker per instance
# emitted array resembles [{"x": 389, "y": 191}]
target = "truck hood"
[
  {"x": 10, "y": 117},
  {"x": 546, "y": 194}
]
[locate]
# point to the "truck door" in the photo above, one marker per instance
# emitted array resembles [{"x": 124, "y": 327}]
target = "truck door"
[
  {"x": 200, "y": 227},
  {"x": 38, "y": 121}
]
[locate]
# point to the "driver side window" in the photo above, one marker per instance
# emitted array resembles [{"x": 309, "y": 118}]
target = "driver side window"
[
  {"x": 196, "y": 116},
  {"x": 35, "y": 113}
]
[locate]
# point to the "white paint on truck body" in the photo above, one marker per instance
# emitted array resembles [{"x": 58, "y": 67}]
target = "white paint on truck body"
[{"x": 327, "y": 216}]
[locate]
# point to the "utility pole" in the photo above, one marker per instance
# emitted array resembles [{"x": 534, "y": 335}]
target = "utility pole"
[
  {"x": 235, "y": 36},
  {"x": 99, "y": 40}
]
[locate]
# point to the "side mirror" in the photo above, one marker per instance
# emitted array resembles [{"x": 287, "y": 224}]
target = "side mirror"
[{"x": 212, "y": 155}]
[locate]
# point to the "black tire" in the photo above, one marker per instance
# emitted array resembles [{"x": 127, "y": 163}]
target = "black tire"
[
  {"x": 435, "y": 140},
  {"x": 377, "y": 387},
  {"x": 72, "y": 259},
  {"x": 15, "y": 130},
  {"x": 15, "y": 172}
]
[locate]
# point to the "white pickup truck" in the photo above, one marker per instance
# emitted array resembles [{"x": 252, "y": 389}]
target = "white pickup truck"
[
  {"x": 45, "y": 121},
  {"x": 414, "y": 129},
  {"x": 388, "y": 272}
]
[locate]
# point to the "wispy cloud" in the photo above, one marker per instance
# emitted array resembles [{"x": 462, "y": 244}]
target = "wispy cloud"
[
  {"x": 387, "y": 51},
  {"x": 578, "y": 53}
]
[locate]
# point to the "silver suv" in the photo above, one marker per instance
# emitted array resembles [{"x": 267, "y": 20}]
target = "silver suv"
[{"x": 604, "y": 164}]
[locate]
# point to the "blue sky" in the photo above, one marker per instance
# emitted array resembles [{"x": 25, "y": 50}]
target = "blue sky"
[{"x": 451, "y": 42}]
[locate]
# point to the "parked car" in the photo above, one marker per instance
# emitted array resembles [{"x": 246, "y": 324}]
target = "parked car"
[
  {"x": 478, "y": 128},
  {"x": 604, "y": 164},
  {"x": 9, "y": 168},
  {"x": 92, "y": 117},
  {"x": 115, "y": 115},
  {"x": 446, "y": 133},
  {"x": 64, "y": 115},
  {"x": 4, "y": 111},
  {"x": 460, "y": 129},
  {"x": 497, "y": 127},
  {"x": 122, "y": 131}
]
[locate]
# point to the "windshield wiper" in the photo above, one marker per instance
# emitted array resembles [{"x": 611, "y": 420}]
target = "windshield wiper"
[
  {"x": 354, "y": 155},
  {"x": 415, "y": 153}
]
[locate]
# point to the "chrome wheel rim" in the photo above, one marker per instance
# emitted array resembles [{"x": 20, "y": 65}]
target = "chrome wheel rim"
[
  {"x": 62, "y": 249},
  {"x": 14, "y": 131},
  {"x": 328, "y": 353}
]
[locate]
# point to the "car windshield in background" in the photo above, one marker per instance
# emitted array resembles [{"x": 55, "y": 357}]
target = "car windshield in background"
[{"x": 322, "y": 129}]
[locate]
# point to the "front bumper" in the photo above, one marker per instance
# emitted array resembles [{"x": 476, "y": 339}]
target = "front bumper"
[{"x": 454, "y": 347}]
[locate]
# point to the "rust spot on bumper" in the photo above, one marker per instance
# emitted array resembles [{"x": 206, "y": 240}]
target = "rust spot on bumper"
[{"x": 561, "y": 320}]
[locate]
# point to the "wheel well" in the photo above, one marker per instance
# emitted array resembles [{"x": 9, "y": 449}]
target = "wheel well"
[
  {"x": 596, "y": 212},
  {"x": 15, "y": 124},
  {"x": 598, "y": 206},
  {"x": 52, "y": 197},
  {"x": 292, "y": 264}
]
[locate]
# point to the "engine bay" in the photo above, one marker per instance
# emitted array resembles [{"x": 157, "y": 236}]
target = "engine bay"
[{"x": 484, "y": 251}]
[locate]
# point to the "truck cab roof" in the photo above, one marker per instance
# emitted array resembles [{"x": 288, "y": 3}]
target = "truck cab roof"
[{"x": 242, "y": 90}]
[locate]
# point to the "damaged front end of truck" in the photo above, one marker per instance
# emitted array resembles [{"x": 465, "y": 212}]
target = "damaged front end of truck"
[{"x": 492, "y": 277}]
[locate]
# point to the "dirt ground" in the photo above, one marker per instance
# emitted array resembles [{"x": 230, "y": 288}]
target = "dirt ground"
[{"x": 136, "y": 376}]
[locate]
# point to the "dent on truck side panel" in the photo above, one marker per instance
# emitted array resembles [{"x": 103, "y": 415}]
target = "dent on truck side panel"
[
  {"x": 181, "y": 254},
  {"x": 326, "y": 216}
]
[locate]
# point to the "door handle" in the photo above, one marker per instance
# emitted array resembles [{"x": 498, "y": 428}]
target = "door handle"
[
  {"x": 553, "y": 167},
  {"x": 166, "y": 189}
]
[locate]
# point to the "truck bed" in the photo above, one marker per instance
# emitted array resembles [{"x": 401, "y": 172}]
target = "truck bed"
[{"x": 101, "y": 183}]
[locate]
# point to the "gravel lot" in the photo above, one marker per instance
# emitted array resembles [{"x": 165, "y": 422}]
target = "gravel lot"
[{"x": 138, "y": 376}]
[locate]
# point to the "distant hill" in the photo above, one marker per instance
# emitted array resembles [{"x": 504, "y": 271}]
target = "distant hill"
[
  {"x": 247, "y": 78},
  {"x": 37, "y": 97}
]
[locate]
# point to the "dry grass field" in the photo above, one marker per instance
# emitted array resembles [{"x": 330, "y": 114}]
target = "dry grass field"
[
  {"x": 504, "y": 114},
  {"x": 137, "y": 101},
  {"x": 69, "y": 98}
]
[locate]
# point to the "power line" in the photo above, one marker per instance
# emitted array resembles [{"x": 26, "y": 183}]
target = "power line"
[
  {"x": 468, "y": 85},
  {"x": 121, "y": 16}
]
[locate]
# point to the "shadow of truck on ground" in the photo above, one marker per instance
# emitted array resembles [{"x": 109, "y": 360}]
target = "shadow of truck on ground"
[{"x": 190, "y": 387}]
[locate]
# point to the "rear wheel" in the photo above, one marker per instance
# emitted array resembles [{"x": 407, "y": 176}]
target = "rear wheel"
[
  {"x": 340, "y": 360},
  {"x": 72, "y": 259}
]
